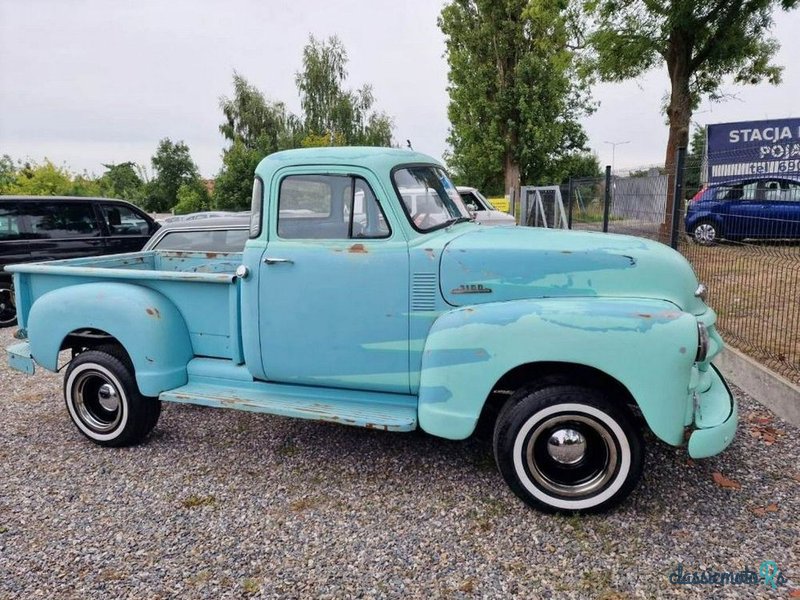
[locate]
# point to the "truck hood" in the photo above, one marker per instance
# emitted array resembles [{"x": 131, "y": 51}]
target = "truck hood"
[{"x": 498, "y": 264}]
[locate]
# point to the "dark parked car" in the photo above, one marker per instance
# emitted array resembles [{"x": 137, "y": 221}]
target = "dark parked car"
[
  {"x": 220, "y": 234},
  {"x": 37, "y": 228},
  {"x": 764, "y": 208}
]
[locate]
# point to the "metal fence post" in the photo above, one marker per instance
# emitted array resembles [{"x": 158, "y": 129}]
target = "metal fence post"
[
  {"x": 607, "y": 202},
  {"x": 677, "y": 197},
  {"x": 569, "y": 205}
]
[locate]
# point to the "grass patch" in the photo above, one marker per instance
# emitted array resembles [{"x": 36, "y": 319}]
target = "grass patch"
[
  {"x": 251, "y": 587},
  {"x": 302, "y": 504},
  {"x": 194, "y": 501}
]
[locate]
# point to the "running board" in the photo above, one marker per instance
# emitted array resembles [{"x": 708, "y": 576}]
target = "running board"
[{"x": 390, "y": 412}]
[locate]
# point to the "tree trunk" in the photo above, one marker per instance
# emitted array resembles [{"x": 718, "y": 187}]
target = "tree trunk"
[
  {"x": 679, "y": 113},
  {"x": 512, "y": 183}
]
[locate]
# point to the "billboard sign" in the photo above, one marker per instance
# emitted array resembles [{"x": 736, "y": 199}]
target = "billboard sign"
[{"x": 753, "y": 149}]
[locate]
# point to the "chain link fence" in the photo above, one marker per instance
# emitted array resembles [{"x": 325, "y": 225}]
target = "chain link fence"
[{"x": 741, "y": 234}]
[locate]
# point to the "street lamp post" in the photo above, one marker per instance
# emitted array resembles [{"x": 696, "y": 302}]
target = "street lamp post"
[{"x": 614, "y": 150}]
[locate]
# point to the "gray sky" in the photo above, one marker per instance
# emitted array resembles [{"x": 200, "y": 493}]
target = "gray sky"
[{"x": 84, "y": 82}]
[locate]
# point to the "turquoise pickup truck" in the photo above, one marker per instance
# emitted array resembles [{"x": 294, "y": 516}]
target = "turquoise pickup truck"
[{"x": 364, "y": 297}]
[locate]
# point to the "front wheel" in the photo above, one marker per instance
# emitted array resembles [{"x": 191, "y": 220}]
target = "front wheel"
[
  {"x": 706, "y": 233},
  {"x": 568, "y": 449},
  {"x": 104, "y": 401},
  {"x": 8, "y": 309}
]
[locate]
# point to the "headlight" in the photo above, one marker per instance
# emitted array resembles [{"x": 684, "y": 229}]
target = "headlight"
[{"x": 702, "y": 342}]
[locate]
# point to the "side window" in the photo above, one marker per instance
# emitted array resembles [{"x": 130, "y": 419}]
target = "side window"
[
  {"x": 739, "y": 191},
  {"x": 791, "y": 193},
  {"x": 471, "y": 201},
  {"x": 121, "y": 220},
  {"x": 329, "y": 207},
  {"x": 732, "y": 192},
  {"x": 749, "y": 190},
  {"x": 368, "y": 218},
  {"x": 10, "y": 222},
  {"x": 61, "y": 220}
]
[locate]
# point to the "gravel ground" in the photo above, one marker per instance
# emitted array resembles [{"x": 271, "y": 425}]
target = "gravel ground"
[{"x": 231, "y": 504}]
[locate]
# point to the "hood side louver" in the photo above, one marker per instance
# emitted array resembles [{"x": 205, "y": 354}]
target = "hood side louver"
[{"x": 423, "y": 291}]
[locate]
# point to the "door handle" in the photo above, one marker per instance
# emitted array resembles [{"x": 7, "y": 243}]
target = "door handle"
[{"x": 277, "y": 261}]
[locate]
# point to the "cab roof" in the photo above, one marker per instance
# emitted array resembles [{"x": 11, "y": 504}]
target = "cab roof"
[{"x": 377, "y": 159}]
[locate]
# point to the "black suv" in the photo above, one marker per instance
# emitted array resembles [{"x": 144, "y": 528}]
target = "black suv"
[{"x": 36, "y": 228}]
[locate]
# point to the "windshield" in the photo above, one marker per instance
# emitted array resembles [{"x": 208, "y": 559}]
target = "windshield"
[{"x": 429, "y": 197}]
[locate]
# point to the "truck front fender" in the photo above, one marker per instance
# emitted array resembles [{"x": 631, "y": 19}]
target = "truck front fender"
[
  {"x": 648, "y": 346},
  {"x": 145, "y": 322}
]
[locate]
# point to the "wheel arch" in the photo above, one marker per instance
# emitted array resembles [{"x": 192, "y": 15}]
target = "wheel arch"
[
  {"x": 144, "y": 322},
  {"x": 537, "y": 375}
]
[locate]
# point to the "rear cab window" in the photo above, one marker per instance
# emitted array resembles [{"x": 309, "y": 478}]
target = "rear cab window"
[{"x": 216, "y": 240}]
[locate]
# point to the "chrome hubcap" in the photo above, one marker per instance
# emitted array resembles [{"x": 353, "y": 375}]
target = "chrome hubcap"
[
  {"x": 566, "y": 446},
  {"x": 705, "y": 233},
  {"x": 107, "y": 397},
  {"x": 97, "y": 401},
  {"x": 571, "y": 455}
]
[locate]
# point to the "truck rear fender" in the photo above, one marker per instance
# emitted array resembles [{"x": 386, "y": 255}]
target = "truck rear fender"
[
  {"x": 648, "y": 346},
  {"x": 145, "y": 322}
]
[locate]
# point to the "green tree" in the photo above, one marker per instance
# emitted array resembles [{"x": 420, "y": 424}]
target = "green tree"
[
  {"x": 577, "y": 164},
  {"x": 694, "y": 161},
  {"x": 332, "y": 116},
  {"x": 173, "y": 167},
  {"x": 516, "y": 92},
  {"x": 700, "y": 43},
  {"x": 8, "y": 173},
  {"x": 192, "y": 197},
  {"x": 84, "y": 184},
  {"x": 122, "y": 181},
  {"x": 44, "y": 179},
  {"x": 255, "y": 127},
  {"x": 329, "y": 109}
]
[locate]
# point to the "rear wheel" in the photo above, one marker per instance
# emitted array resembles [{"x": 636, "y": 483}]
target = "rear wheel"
[
  {"x": 8, "y": 308},
  {"x": 103, "y": 399},
  {"x": 568, "y": 449}
]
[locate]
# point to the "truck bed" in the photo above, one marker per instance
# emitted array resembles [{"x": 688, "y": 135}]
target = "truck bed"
[{"x": 210, "y": 309}]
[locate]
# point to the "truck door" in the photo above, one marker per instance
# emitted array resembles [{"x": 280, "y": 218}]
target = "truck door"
[{"x": 334, "y": 286}]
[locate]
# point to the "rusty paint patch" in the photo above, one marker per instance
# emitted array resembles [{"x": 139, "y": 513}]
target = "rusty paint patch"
[
  {"x": 683, "y": 350},
  {"x": 153, "y": 312},
  {"x": 431, "y": 254},
  {"x": 212, "y": 254},
  {"x": 374, "y": 426},
  {"x": 357, "y": 249},
  {"x": 644, "y": 315}
]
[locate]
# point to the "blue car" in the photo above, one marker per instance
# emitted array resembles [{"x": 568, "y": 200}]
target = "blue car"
[{"x": 758, "y": 208}]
